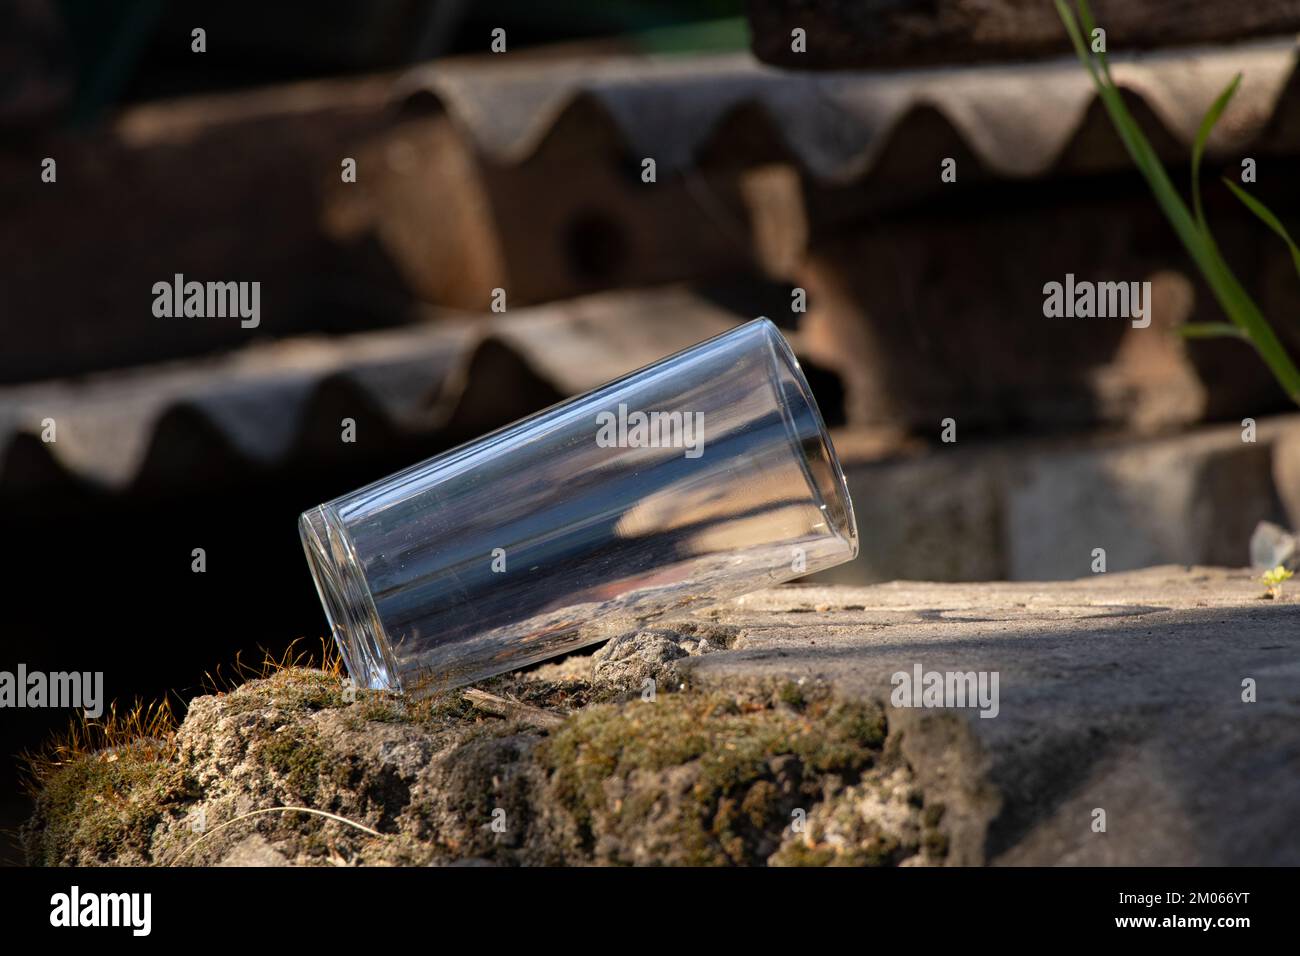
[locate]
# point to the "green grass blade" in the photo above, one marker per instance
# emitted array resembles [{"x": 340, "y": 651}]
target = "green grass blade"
[
  {"x": 1237, "y": 304},
  {"x": 1080, "y": 48},
  {"x": 1089, "y": 28},
  {"x": 1210, "y": 330},
  {"x": 1198, "y": 150},
  {"x": 1266, "y": 216}
]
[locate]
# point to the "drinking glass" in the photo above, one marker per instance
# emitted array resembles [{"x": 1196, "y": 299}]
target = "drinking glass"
[{"x": 703, "y": 476}]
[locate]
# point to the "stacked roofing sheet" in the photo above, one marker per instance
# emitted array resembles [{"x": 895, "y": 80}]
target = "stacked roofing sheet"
[{"x": 546, "y": 179}]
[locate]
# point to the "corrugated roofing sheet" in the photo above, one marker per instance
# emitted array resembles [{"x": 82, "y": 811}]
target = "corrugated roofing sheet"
[
  {"x": 259, "y": 401},
  {"x": 1018, "y": 119}
]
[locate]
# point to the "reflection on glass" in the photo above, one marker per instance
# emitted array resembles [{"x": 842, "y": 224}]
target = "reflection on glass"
[{"x": 698, "y": 478}]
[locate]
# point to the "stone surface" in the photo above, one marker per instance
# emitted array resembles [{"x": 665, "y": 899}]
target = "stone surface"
[
  {"x": 1119, "y": 691},
  {"x": 766, "y": 732}
]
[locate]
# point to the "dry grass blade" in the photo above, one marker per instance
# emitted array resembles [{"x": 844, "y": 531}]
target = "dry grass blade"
[
  {"x": 257, "y": 813},
  {"x": 325, "y": 659},
  {"x": 153, "y": 726},
  {"x": 146, "y": 726}
]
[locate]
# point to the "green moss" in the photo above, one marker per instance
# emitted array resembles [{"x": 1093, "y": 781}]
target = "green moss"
[
  {"x": 560, "y": 696},
  {"x": 799, "y": 853},
  {"x": 935, "y": 843},
  {"x": 294, "y": 688},
  {"x": 443, "y": 709},
  {"x": 728, "y": 743},
  {"x": 879, "y": 851},
  {"x": 308, "y": 689},
  {"x": 791, "y": 694},
  {"x": 873, "y": 848},
  {"x": 298, "y": 757},
  {"x": 759, "y": 802},
  {"x": 101, "y": 805},
  {"x": 933, "y": 814},
  {"x": 382, "y": 708}
]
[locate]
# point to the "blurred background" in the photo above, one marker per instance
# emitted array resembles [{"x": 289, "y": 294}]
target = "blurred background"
[{"x": 804, "y": 185}]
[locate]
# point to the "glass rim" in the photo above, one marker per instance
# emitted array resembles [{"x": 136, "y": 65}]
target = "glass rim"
[
  {"x": 343, "y": 589},
  {"x": 848, "y": 528}
]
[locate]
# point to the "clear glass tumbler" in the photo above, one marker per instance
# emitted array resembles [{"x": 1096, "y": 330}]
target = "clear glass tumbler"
[{"x": 698, "y": 478}]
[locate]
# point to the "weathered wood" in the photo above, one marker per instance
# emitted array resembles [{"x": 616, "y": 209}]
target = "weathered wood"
[
  {"x": 512, "y": 709},
  {"x": 886, "y": 33}
]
